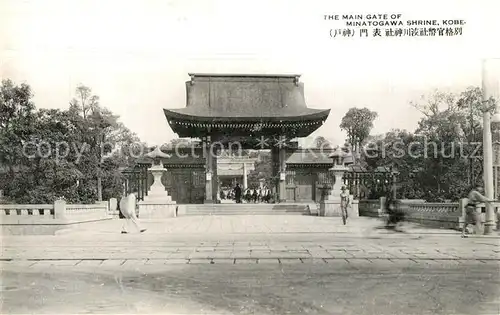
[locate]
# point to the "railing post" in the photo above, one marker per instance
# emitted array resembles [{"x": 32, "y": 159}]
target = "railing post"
[
  {"x": 112, "y": 207},
  {"x": 381, "y": 210},
  {"x": 59, "y": 209}
]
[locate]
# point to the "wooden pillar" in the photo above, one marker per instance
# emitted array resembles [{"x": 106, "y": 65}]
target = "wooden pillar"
[
  {"x": 145, "y": 176},
  {"x": 136, "y": 184},
  {"x": 208, "y": 170},
  {"x": 215, "y": 178},
  {"x": 139, "y": 184},
  {"x": 282, "y": 171},
  {"x": 245, "y": 181},
  {"x": 275, "y": 170}
]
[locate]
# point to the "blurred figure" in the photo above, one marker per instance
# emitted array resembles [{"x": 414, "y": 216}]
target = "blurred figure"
[
  {"x": 127, "y": 208},
  {"x": 395, "y": 214}
]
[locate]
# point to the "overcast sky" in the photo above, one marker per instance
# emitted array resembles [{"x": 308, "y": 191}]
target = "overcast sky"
[{"x": 136, "y": 54}]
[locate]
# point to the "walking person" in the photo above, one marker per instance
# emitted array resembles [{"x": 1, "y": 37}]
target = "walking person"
[
  {"x": 475, "y": 197},
  {"x": 127, "y": 208},
  {"x": 345, "y": 202}
]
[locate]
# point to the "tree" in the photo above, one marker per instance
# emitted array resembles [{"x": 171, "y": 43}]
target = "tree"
[
  {"x": 392, "y": 152},
  {"x": 358, "y": 122},
  {"x": 48, "y": 168},
  {"x": 321, "y": 142},
  {"x": 51, "y": 153},
  {"x": 180, "y": 143},
  {"x": 84, "y": 102},
  {"x": 440, "y": 160},
  {"x": 17, "y": 122},
  {"x": 106, "y": 137},
  {"x": 262, "y": 170},
  {"x": 96, "y": 121},
  {"x": 455, "y": 125}
]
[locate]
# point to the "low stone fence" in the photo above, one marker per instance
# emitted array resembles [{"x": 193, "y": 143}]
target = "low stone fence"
[
  {"x": 48, "y": 218},
  {"x": 439, "y": 215},
  {"x": 371, "y": 208},
  {"x": 449, "y": 215}
]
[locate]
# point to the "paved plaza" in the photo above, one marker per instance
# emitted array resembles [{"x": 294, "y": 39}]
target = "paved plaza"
[{"x": 251, "y": 265}]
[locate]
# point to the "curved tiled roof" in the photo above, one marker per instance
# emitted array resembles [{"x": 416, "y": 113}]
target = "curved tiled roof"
[
  {"x": 208, "y": 115},
  {"x": 224, "y": 97}
]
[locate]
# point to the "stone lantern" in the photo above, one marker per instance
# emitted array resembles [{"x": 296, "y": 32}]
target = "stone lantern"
[
  {"x": 157, "y": 204},
  {"x": 157, "y": 190},
  {"x": 330, "y": 206},
  {"x": 338, "y": 170}
]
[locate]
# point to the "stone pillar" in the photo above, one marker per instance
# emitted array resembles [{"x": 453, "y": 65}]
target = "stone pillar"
[
  {"x": 462, "y": 207},
  {"x": 353, "y": 211},
  {"x": 60, "y": 209},
  {"x": 245, "y": 181},
  {"x": 490, "y": 81},
  {"x": 381, "y": 209},
  {"x": 112, "y": 206}
]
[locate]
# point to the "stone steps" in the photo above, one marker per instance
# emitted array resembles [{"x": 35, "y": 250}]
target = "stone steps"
[{"x": 243, "y": 209}]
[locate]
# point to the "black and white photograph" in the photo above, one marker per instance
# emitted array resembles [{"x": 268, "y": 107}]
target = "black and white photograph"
[{"x": 250, "y": 157}]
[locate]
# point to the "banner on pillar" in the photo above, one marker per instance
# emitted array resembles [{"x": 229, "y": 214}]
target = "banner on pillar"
[
  {"x": 209, "y": 176},
  {"x": 282, "y": 176}
]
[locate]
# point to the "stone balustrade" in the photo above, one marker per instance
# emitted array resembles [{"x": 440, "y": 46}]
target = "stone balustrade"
[
  {"x": 434, "y": 214},
  {"x": 48, "y": 218},
  {"x": 89, "y": 212},
  {"x": 371, "y": 208},
  {"x": 442, "y": 215},
  {"x": 27, "y": 210}
]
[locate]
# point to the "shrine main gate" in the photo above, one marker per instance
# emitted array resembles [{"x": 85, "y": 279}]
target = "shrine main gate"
[
  {"x": 307, "y": 177},
  {"x": 252, "y": 112}
]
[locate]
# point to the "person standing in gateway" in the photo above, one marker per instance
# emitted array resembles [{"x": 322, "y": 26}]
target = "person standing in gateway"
[{"x": 237, "y": 193}]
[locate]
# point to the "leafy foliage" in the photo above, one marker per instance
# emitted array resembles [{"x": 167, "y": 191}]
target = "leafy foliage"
[
  {"x": 358, "y": 122},
  {"x": 443, "y": 157},
  {"x": 321, "y": 142},
  {"x": 50, "y": 153},
  {"x": 262, "y": 171}
]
